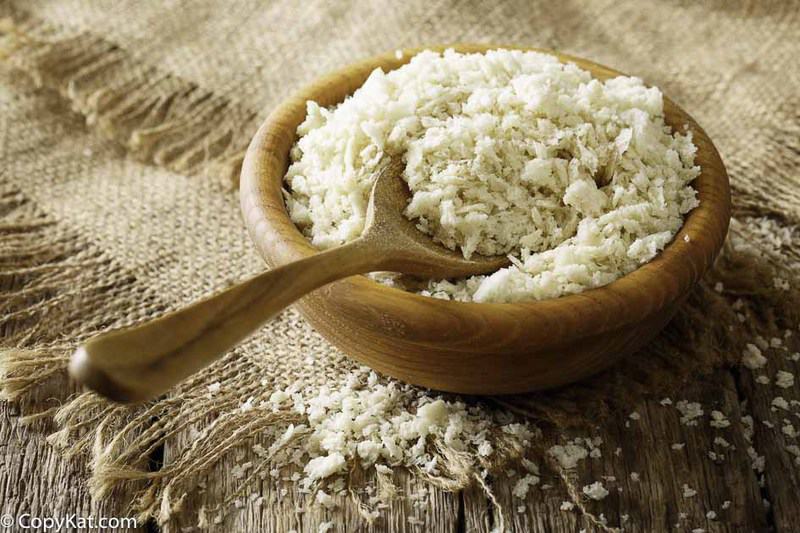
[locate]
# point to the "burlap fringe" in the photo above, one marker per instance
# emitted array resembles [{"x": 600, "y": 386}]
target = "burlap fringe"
[
  {"x": 53, "y": 276},
  {"x": 157, "y": 117}
]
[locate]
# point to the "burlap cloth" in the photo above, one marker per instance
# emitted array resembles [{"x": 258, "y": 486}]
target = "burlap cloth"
[{"x": 92, "y": 239}]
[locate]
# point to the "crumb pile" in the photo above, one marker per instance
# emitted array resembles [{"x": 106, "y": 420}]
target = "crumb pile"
[{"x": 579, "y": 181}]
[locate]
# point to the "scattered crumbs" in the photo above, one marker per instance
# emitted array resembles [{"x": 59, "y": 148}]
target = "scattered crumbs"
[
  {"x": 688, "y": 492},
  {"x": 238, "y": 471},
  {"x": 666, "y": 401},
  {"x": 762, "y": 342},
  {"x": 520, "y": 509},
  {"x": 757, "y": 461},
  {"x": 690, "y": 412},
  {"x": 762, "y": 380},
  {"x": 524, "y": 484},
  {"x": 624, "y": 518},
  {"x": 794, "y": 449},
  {"x": 325, "y": 499},
  {"x": 324, "y": 466},
  {"x": 781, "y": 283},
  {"x": 768, "y": 424},
  {"x": 595, "y": 491},
  {"x": 485, "y": 449},
  {"x": 711, "y": 515},
  {"x": 567, "y": 506},
  {"x": 678, "y": 446},
  {"x": 719, "y": 287},
  {"x": 775, "y": 342},
  {"x": 530, "y": 466},
  {"x": 634, "y": 416},
  {"x": 718, "y": 420},
  {"x": 788, "y": 429},
  {"x": 617, "y": 452},
  {"x": 568, "y": 455},
  {"x": 634, "y": 476},
  {"x": 214, "y": 387},
  {"x": 247, "y": 405},
  {"x": 726, "y": 504},
  {"x": 780, "y": 403},
  {"x": 752, "y": 357},
  {"x": 784, "y": 379},
  {"x": 719, "y": 441},
  {"x": 686, "y": 238},
  {"x": 595, "y": 453}
]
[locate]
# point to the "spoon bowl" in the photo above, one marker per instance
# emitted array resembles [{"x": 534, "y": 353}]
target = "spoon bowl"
[{"x": 476, "y": 347}]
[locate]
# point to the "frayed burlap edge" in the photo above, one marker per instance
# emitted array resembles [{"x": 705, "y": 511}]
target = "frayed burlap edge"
[
  {"x": 53, "y": 274},
  {"x": 157, "y": 117}
]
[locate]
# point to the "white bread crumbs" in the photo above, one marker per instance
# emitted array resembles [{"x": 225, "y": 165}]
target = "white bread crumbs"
[
  {"x": 718, "y": 420},
  {"x": 784, "y": 379},
  {"x": 595, "y": 491},
  {"x": 690, "y": 412},
  {"x": 505, "y": 152},
  {"x": 753, "y": 357}
]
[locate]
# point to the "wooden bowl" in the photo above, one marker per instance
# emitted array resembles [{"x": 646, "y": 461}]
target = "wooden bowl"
[{"x": 481, "y": 348}]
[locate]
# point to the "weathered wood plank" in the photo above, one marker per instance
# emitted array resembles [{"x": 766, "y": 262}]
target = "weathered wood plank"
[
  {"x": 655, "y": 500},
  {"x": 36, "y": 480},
  {"x": 770, "y": 440},
  {"x": 282, "y": 508}
]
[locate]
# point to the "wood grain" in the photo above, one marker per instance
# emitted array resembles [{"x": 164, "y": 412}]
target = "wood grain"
[
  {"x": 36, "y": 480},
  {"x": 481, "y": 348},
  {"x": 33, "y": 478},
  {"x": 781, "y": 477},
  {"x": 653, "y": 503}
]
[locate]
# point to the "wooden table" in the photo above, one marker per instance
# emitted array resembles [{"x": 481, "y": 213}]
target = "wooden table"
[{"x": 35, "y": 479}]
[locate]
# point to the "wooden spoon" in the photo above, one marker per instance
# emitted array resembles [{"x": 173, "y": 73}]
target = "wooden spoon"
[{"x": 141, "y": 362}]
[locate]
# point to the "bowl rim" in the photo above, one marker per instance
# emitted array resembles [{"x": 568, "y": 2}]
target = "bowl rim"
[{"x": 654, "y": 285}]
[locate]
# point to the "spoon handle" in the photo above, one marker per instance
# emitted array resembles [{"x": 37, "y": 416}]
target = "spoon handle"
[{"x": 143, "y": 361}]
